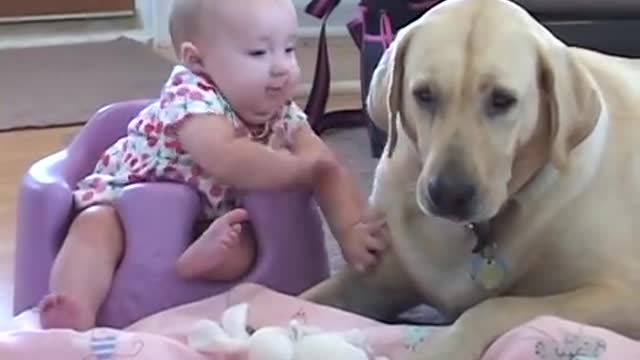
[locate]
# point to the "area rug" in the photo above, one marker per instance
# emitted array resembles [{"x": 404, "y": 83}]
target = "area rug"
[{"x": 64, "y": 85}]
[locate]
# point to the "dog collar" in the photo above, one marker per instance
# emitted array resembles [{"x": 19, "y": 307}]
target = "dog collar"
[
  {"x": 485, "y": 267},
  {"x": 481, "y": 233}
]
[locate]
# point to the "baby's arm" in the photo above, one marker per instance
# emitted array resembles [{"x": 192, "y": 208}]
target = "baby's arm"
[
  {"x": 338, "y": 196},
  {"x": 354, "y": 226},
  {"x": 238, "y": 161}
]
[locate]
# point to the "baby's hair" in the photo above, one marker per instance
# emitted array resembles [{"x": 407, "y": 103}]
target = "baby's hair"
[
  {"x": 187, "y": 17},
  {"x": 184, "y": 21}
]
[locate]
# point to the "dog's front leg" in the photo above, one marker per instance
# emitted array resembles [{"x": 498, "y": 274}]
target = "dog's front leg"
[
  {"x": 380, "y": 294},
  {"x": 609, "y": 306}
]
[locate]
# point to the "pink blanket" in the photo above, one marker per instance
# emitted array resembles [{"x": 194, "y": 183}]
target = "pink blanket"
[{"x": 164, "y": 336}]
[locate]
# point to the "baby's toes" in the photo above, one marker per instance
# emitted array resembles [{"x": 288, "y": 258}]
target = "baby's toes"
[
  {"x": 227, "y": 240},
  {"x": 236, "y": 228}
]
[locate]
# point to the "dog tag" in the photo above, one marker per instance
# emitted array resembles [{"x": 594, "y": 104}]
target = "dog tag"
[{"x": 488, "y": 272}]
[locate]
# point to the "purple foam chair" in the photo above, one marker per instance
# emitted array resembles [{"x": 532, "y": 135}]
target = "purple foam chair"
[{"x": 158, "y": 220}]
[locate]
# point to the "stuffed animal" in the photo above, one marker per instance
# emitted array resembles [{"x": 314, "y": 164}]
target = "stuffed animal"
[{"x": 295, "y": 342}]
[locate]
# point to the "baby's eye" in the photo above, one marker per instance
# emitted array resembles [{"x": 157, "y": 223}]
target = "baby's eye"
[
  {"x": 257, "y": 53},
  {"x": 290, "y": 49}
]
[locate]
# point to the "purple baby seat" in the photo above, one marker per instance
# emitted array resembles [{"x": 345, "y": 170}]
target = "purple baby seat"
[{"x": 158, "y": 219}]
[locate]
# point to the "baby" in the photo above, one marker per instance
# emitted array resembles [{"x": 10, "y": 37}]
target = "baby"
[{"x": 224, "y": 122}]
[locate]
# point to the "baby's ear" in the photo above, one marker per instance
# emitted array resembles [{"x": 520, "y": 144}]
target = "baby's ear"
[{"x": 190, "y": 56}]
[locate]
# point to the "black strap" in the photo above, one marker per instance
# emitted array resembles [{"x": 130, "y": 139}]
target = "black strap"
[
  {"x": 321, "y": 8},
  {"x": 319, "y": 96}
]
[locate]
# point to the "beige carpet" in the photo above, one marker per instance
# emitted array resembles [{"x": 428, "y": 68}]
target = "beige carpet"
[{"x": 61, "y": 85}]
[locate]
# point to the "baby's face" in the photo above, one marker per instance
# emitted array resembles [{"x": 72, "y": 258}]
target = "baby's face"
[{"x": 251, "y": 56}]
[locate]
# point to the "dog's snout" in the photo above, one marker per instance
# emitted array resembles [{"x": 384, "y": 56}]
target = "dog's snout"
[{"x": 451, "y": 196}]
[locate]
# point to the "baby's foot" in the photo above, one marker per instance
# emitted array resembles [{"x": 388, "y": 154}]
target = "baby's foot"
[
  {"x": 218, "y": 245},
  {"x": 60, "y": 311}
]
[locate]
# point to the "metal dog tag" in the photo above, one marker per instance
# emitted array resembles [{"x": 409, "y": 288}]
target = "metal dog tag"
[{"x": 487, "y": 271}]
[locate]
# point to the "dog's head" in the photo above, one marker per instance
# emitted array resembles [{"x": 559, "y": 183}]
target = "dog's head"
[{"x": 484, "y": 95}]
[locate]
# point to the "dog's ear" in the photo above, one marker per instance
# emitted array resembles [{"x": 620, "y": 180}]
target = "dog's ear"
[
  {"x": 574, "y": 102},
  {"x": 385, "y": 90},
  {"x": 378, "y": 96}
]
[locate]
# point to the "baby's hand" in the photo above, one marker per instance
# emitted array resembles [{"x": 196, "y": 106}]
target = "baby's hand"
[{"x": 365, "y": 241}]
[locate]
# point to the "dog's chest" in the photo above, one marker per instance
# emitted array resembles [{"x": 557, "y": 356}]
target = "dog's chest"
[{"x": 438, "y": 256}]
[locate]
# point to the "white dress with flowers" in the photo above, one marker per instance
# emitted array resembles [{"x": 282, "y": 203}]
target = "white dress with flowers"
[{"x": 151, "y": 151}]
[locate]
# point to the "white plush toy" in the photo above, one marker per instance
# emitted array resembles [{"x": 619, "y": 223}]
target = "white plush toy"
[{"x": 297, "y": 342}]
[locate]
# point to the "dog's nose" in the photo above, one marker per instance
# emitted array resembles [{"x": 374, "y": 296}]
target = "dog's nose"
[{"x": 451, "y": 197}]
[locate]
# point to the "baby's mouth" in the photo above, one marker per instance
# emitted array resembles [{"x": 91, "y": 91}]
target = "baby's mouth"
[{"x": 276, "y": 89}]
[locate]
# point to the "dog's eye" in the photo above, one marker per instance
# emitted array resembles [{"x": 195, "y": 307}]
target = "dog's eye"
[
  {"x": 500, "y": 101},
  {"x": 425, "y": 97}
]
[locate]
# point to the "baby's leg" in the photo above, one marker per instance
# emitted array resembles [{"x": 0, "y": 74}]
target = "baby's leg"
[
  {"x": 82, "y": 272},
  {"x": 224, "y": 252}
]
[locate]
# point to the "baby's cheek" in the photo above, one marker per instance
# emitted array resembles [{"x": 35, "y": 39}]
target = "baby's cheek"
[
  {"x": 296, "y": 85},
  {"x": 296, "y": 75}
]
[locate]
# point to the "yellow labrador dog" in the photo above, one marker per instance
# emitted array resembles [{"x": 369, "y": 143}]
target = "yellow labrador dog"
[{"x": 510, "y": 180}]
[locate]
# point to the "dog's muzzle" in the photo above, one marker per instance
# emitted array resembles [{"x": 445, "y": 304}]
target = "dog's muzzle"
[{"x": 450, "y": 197}]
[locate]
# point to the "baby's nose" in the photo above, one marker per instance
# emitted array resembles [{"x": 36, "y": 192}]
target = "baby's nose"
[
  {"x": 278, "y": 70},
  {"x": 283, "y": 67}
]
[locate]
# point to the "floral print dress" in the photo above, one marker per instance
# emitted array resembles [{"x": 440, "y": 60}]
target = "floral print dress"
[{"x": 151, "y": 150}]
